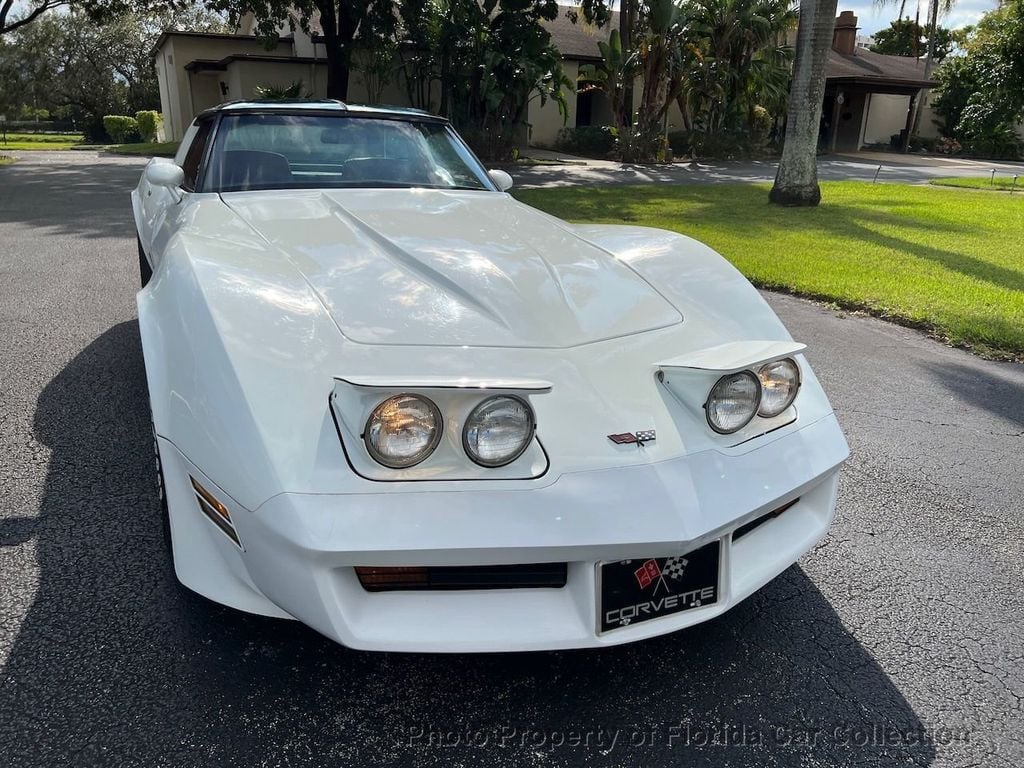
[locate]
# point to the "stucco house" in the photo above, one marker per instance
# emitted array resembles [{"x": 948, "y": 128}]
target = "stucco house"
[{"x": 867, "y": 96}]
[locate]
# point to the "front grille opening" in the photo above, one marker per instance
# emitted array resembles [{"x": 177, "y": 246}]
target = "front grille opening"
[
  {"x": 533, "y": 576},
  {"x": 746, "y": 528}
]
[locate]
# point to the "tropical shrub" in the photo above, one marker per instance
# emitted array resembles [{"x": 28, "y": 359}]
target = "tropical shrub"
[
  {"x": 589, "y": 140},
  {"x": 293, "y": 90},
  {"x": 721, "y": 145},
  {"x": 760, "y": 125},
  {"x": 480, "y": 63},
  {"x": 121, "y": 129},
  {"x": 981, "y": 94},
  {"x": 493, "y": 143},
  {"x": 636, "y": 145},
  {"x": 985, "y": 135}
]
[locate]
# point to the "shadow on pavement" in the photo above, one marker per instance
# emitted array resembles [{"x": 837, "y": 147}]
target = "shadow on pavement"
[
  {"x": 116, "y": 665},
  {"x": 976, "y": 385},
  {"x": 830, "y": 168},
  {"x": 65, "y": 197}
]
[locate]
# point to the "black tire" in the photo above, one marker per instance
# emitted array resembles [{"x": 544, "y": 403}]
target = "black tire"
[
  {"x": 165, "y": 517},
  {"x": 145, "y": 271}
]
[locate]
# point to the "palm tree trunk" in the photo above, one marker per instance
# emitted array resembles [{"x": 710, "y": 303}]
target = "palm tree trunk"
[
  {"x": 796, "y": 182},
  {"x": 933, "y": 22}
]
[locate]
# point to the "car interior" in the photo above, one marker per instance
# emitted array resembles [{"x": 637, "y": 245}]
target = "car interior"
[{"x": 281, "y": 151}]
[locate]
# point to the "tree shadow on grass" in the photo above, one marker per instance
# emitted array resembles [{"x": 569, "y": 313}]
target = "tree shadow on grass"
[
  {"x": 114, "y": 664},
  {"x": 741, "y": 208}
]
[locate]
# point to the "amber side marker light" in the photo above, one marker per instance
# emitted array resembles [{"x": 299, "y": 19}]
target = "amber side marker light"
[
  {"x": 398, "y": 577},
  {"x": 216, "y": 512}
]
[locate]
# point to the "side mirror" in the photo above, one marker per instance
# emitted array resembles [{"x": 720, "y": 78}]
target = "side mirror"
[
  {"x": 165, "y": 175},
  {"x": 501, "y": 179}
]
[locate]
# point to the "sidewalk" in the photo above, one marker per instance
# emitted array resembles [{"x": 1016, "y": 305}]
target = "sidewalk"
[
  {"x": 859, "y": 166},
  {"x": 977, "y": 167}
]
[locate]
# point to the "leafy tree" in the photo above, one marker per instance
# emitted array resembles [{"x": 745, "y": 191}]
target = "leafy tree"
[
  {"x": 721, "y": 61},
  {"x": 14, "y": 15},
  {"x": 659, "y": 54},
  {"x": 81, "y": 70},
  {"x": 981, "y": 94},
  {"x": 480, "y": 64},
  {"x": 612, "y": 76},
  {"x": 736, "y": 60},
  {"x": 346, "y": 25},
  {"x": 908, "y": 38}
]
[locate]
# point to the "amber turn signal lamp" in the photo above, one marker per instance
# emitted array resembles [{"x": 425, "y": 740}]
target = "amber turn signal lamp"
[{"x": 394, "y": 578}]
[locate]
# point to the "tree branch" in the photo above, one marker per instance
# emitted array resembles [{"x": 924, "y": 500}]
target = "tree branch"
[{"x": 32, "y": 15}]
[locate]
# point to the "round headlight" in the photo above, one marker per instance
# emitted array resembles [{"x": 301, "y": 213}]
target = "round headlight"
[
  {"x": 402, "y": 431},
  {"x": 779, "y": 382},
  {"x": 498, "y": 431},
  {"x": 733, "y": 401}
]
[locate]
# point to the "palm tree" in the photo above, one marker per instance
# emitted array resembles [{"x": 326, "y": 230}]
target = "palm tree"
[
  {"x": 735, "y": 59},
  {"x": 613, "y": 75},
  {"x": 935, "y": 7},
  {"x": 796, "y": 182}
]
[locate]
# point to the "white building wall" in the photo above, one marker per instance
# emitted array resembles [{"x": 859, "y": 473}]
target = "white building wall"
[
  {"x": 886, "y": 115},
  {"x": 184, "y": 94},
  {"x": 546, "y": 121}
]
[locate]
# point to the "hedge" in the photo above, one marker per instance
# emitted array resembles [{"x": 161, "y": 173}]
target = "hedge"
[
  {"x": 148, "y": 123},
  {"x": 121, "y": 129}
]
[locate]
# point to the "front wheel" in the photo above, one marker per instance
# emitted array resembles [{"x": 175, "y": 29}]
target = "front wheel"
[
  {"x": 145, "y": 271},
  {"x": 165, "y": 516}
]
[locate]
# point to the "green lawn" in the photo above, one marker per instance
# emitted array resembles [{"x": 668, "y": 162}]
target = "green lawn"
[
  {"x": 949, "y": 261},
  {"x": 998, "y": 184},
  {"x": 39, "y": 141},
  {"x": 153, "y": 149}
]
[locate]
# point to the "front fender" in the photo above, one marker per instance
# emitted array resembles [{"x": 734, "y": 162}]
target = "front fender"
[{"x": 709, "y": 291}]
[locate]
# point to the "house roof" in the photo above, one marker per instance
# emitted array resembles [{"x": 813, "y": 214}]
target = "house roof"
[
  {"x": 167, "y": 34},
  {"x": 579, "y": 40},
  {"x": 870, "y": 68},
  {"x": 208, "y": 65}
]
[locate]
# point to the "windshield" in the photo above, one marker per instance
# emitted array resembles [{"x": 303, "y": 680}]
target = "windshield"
[{"x": 263, "y": 151}]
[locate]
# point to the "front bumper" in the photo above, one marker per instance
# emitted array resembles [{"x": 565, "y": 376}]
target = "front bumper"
[{"x": 299, "y": 549}]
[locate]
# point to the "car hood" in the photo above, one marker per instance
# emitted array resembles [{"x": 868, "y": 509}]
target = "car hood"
[{"x": 452, "y": 268}]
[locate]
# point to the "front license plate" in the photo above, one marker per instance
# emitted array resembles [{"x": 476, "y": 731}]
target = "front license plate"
[{"x": 640, "y": 590}]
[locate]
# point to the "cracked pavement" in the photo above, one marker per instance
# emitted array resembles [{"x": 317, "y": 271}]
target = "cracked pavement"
[{"x": 896, "y": 642}]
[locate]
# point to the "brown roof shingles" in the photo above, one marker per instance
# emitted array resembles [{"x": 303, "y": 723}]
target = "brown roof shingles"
[
  {"x": 866, "y": 65},
  {"x": 579, "y": 40}
]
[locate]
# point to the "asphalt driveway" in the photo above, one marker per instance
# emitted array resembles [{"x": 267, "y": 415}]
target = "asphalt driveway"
[{"x": 896, "y": 642}]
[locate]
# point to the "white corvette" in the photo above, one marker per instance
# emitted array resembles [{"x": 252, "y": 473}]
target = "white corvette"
[{"x": 394, "y": 403}]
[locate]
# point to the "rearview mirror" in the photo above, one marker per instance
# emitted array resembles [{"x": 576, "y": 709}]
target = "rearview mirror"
[
  {"x": 501, "y": 179},
  {"x": 165, "y": 175}
]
